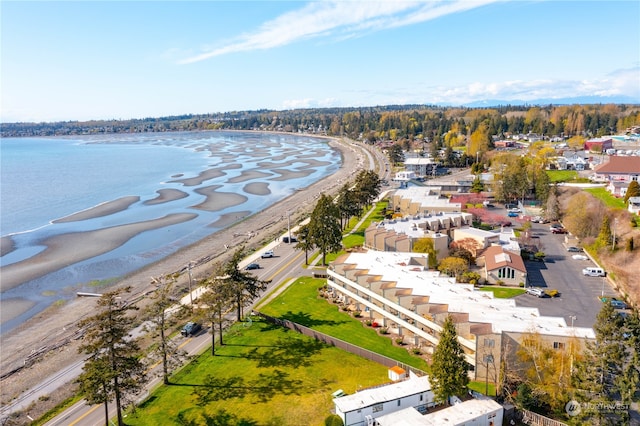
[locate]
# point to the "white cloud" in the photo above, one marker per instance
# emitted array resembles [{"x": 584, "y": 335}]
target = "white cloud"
[{"x": 339, "y": 20}]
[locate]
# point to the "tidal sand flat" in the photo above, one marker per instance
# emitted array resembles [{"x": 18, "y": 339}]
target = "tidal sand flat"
[
  {"x": 66, "y": 249},
  {"x": 217, "y": 178},
  {"x": 6, "y": 245},
  {"x": 257, "y": 188},
  {"x": 104, "y": 209},
  {"x": 249, "y": 175},
  {"x": 217, "y": 201},
  {"x": 166, "y": 195}
]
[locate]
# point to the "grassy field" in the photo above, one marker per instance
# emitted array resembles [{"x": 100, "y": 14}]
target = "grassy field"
[
  {"x": 504, "y": 292},
  {"x": 263, "y": 375},
  {"x": 267, "y": 375},
  {"x": 561, "y": 175}
]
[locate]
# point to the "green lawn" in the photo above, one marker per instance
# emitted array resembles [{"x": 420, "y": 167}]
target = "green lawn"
[
  {"x": 300, "y": 303},
  {"x": 605, "y": 196},
  {"x": 561, "y": 175},
  {"x": 263, "y": 375},
  {"x": 267, "y": 375},
  {"x": 503, "y": 292}
]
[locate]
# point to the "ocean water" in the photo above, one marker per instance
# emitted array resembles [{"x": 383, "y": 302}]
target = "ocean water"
[{"x": 44, "y": 179}]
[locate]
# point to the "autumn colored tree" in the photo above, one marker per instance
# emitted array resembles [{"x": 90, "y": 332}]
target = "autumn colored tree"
[
  {"x": 632, "y": 191},
  {"x": 453, "y": 266},
  {"x": 547, "y": 370},
  {"x": 425, "y": 245}
]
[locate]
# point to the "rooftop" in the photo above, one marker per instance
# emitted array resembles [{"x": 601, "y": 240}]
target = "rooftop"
[
  {"x": 620, "y": 164},
  {"x": 482, "y": 306},
  {"x": 458, "y": 414},
  {"x": 391, "y": 392}
]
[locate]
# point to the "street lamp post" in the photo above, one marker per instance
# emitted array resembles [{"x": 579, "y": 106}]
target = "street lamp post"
[
  {"x": 573, "y": 317},
  {"x": 289, "y": 226},
  {"x": 190, "y": 282}
]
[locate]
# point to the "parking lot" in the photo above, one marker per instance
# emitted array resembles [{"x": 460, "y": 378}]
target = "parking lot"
[{"x": 579, "y": 294}]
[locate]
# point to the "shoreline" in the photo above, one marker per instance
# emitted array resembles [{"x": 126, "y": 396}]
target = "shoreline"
[
  {"x": 251, "y": 232},
  {"x": 65, "y": 249}
]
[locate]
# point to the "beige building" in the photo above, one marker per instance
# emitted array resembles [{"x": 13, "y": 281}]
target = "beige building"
[
  {"x": 398, "y": 291},
  {"x": 502, "y": 266},
  {"x": 421, "y": 200},
  {"x": 401, "y": 234}
]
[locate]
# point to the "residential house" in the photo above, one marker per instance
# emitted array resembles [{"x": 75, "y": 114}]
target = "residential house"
[
  {"x": 476, "y": 412},
  {"x": 501, "y": 266},
  {"x": 618, "y": 172},
  {"x": 360, "y": 408},
  {"x": 634, "y": 205},
  {"x": 421, "y": 166},
  {"x": 598, "y": 144}
]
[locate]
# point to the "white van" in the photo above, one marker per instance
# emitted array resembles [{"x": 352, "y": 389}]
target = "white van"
[{"x": 594, "y": 272}]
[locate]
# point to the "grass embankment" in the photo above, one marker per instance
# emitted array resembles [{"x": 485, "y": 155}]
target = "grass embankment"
[
  {"x": 605, "y": 196},
  {"x": 300, "y": 303}
]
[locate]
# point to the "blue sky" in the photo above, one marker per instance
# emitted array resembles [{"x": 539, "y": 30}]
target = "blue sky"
[{"x": 86, "y": 60}]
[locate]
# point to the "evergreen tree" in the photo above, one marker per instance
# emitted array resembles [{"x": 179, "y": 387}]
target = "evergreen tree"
[
  {"x": 348, "y": 204},
  {"x": 304, "y": 243},
  {"x": 215, "y": 302},
  {"x": 366, "y": 187},
  {"x": 477, "y": 186},
  {"x": 597, "y": 375},
  {"x": 246, "y": 286},
  {"x": 449, "y": 370},
  {"x": 324, "y": 227},
  {"x": 161, "y": 301},
  {"x": 114, "y": 369},
  {"x": 605, "y": 237},
  {"x": 396, "y": 155}
]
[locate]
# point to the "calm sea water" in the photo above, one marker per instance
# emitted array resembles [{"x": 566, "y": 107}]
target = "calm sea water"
[{"x": 43, "y": 179}]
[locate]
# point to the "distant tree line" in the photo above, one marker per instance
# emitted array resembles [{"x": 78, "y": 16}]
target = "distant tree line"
[{"x": 443, "y": 125}]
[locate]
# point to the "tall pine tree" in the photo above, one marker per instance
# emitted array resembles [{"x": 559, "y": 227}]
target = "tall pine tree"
[
  {"x": 324, "y": 227},
  {"x": 114, "y": 368},
  {"x": 449, "y": 370}
]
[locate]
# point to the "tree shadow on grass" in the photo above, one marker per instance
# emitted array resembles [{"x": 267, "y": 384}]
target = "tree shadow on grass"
[
  {"x": 293, "y": 353},
  {"x": 305, "y": 319},
  {"x": 219, "y": 418},
  {"x": 262, "y": 389}
]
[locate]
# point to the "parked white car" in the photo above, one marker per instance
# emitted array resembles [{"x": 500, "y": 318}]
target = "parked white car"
[{"x": 580, "y": 257}]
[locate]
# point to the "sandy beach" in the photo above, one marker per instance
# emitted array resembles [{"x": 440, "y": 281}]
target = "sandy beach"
[{"x": 252, "y": 232}]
